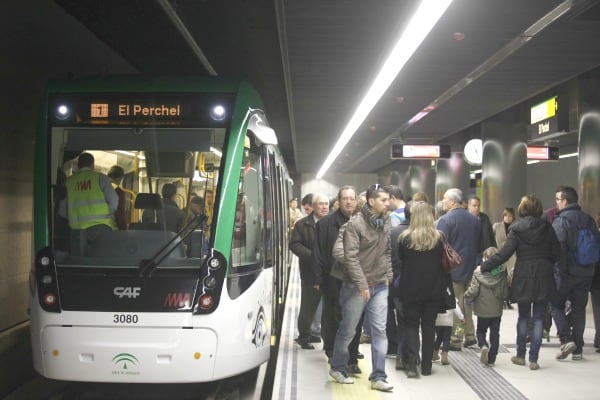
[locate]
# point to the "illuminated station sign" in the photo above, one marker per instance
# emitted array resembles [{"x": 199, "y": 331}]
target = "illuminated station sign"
[
  {"x": 547, "y": 118},
  {"x": 141, "y": 109},
  {"x": 420, "y": 151},
  {"x": 543, "y": 153}
]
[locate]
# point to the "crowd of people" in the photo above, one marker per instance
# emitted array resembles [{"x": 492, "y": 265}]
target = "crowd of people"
[{"x": 375, "y": 265}]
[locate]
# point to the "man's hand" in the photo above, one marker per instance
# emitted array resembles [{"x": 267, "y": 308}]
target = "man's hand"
[{"x": 365, "y": 294}]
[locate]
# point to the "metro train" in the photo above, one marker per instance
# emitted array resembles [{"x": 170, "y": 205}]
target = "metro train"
[{"x": 145, "y": 304}]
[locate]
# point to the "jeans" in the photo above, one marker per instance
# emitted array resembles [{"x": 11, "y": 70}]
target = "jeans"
[
  {"x": 539, "y": 310},
  {"x": 494, "y": 326},
  {"x": 574, "y": 288},
  {"x": 375, "y": 309}
]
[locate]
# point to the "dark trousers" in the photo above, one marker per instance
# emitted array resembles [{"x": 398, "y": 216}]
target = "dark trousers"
[
  {"x": 82, "y": 239},
  {"x": 400, "y": 330},
  {"x": 493, "y": 324},
  {"x": 309, "y": 301},
  {"x": 596, "y": 311},
  {"x": 574, "y": 288},
  {"x": 330, "y": 321},
  {"x": 421, "y": 314},
  {"x": 442, "y": 338}
]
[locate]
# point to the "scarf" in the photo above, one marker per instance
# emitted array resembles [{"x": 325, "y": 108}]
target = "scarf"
[{"x": 376, "y": 222}]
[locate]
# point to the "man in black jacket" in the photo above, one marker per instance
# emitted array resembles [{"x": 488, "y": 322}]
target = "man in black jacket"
[
  {"x": 573, "y": 280},
  {"x": 301, "y": 244},
  {"x": 325, "y": 236}
]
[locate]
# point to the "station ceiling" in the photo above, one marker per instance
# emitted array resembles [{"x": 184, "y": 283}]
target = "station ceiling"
[{"x": 313, "y": 60}]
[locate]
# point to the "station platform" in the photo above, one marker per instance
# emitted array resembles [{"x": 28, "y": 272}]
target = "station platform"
[{"x": 303, "y": 374}]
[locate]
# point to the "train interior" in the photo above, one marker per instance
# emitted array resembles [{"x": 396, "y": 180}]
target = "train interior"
[{"x": 189, "y": 159}]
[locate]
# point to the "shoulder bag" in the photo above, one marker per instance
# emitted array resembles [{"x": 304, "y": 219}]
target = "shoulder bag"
[{"x": 450, "y": 257}]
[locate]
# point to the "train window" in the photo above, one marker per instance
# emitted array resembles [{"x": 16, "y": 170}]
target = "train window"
[
  {"x": 189, "y": 159},
  {"x": 247, "y": 229}
]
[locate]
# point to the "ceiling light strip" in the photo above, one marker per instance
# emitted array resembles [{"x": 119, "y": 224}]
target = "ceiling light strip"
[
  {"x": 481, "y": 70},
  {"x": 172, "y": 14},
  {"x": 421, "y": 23}
]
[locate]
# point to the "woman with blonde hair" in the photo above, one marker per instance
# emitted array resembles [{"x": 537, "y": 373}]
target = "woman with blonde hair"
[{"x": 422, "y": 282}]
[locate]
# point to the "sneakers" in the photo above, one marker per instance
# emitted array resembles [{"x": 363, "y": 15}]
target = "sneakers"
[
  {"x": 533, "y": 365},
  {"x": 469, "y": 343},
  {"x": 340, "y": 377},
  {"x": 565, "y": 350},
  {"x": 304, "y": 343},
  {"x": 436, "y": 355},
  {"x": 445, "y": 360},
  {"x": 353, "y": 369},
  {"x": 517, "y": 360},
  {"x": 577, "y": 357},
  {"x": 484, "y": 354},
  {"x": 382, "y": 386}
]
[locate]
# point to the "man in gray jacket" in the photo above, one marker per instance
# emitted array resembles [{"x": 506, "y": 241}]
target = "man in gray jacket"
[{"x": 365, "y": 279}]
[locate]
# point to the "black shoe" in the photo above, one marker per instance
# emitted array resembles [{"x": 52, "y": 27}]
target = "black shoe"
[
  {"x": 452, "y": 348},
  {"x": 314, "y": 339},
  {"x": 469, "y": 343},
  {"x": 597, "y": 350},
  {"x": 425, "y": 372},
  {"x": 304, "y": 343},
  {"x": 360, "y": 355}
]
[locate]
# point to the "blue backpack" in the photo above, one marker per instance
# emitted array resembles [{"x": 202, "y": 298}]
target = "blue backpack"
[{"x": 587, "y": 248}]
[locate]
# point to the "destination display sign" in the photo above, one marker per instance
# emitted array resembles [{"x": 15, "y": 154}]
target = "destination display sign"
[
  {"x": 141, "y": 109},
  {"x": 420, "y": 151},
  {"x": 542, "y": 153}
]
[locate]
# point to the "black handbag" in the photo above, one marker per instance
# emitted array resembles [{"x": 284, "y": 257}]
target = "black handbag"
[{"x": 449, "y": 299}]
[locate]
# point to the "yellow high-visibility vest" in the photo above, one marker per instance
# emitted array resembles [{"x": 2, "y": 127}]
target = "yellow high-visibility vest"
[{"x": 86, "y": 205}]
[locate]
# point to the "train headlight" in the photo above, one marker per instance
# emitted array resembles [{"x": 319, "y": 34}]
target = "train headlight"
[
  {"x": 50, "y": 299},
  {"x": 45, "y": 261},
  {"x": 214, "y": 263},
  {"x": 218, "y": 113},
  {"x": 62, "y": 112},
  {"x": 46, "y": 279},
  {"x": 205, "y": 302}
]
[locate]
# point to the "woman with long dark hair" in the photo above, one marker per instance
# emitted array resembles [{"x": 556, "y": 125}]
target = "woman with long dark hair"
[{"x": 533, "y": 286}]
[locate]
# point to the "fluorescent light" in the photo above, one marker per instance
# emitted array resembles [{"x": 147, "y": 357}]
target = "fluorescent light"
[
  {"x": 568, "y": 155},
  {"x": 421, "y": 23},
  {"x": 217, "y": 152}
]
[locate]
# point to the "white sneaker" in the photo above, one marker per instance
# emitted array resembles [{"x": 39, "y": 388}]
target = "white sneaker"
[
  {"x": 565, "y": 350},
  {"x": 484, "y": 354},
  {"x": 382, "y": 386},
  {"x": 340, "y": 377}
]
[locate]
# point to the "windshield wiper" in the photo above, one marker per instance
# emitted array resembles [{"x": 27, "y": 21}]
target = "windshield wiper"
[{"x": 147, "y": 266}]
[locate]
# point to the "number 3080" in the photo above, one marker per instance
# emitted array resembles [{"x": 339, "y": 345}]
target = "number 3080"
[{"x": 125, "y": 319}]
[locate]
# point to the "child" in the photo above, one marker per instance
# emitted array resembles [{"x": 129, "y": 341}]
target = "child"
[
  {"x": 488, "y": 291},
  {"x": 443, "y": 331}
]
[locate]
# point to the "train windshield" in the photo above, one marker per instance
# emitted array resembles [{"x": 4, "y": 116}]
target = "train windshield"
[{"x": 165, "y": 180}]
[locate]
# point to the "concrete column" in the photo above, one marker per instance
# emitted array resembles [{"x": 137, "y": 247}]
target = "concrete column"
[
  {"x": 589, "y": 164},
  {"x": 451, "y": 173},
  {"x": 504, "y": 179}
]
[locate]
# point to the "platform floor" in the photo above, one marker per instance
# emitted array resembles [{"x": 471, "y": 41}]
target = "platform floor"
[{"x": 303, "y": 374}]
